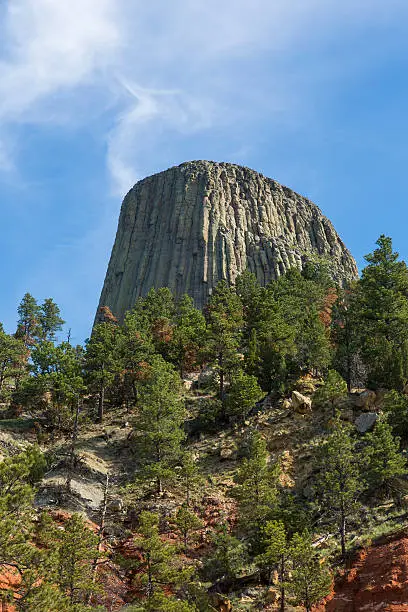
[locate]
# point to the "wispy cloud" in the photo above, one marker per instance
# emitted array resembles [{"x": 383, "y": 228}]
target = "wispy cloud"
[{"x": 164, "y": 67}]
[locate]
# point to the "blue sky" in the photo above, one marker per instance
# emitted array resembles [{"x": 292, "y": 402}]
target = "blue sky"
[{"x": 95, "y": 94}]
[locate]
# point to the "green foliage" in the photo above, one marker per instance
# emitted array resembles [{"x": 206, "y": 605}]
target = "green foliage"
[
  {"x": 227, "y": 558},
  {"x": 333, "y": 389},
  {"x": 77, "y": 547},
  {"x": 101, "y": 361},
  {"x": 28, "y": 324},
  {"x": 256, "y": 489},
  {"x": 158, "y": 564},
  {"x": 385, "y": 465},
  {"x": 275, "y": 554},
  {"x": 187, "y": 344},
  {"x": 13, "y": 359},
  {"x": 189, "y": 476},
  {"x": 339, "y": 481},
  {"x": 243, "y": 394},
  {"x": 49, "y": 319},
  {"x": 311, "y": 580},
  {"x": 158, "y": 425},
  {"x": 55, "y": 385},
  {"x": 396, "y": 409},
  {"x": 224, "y": 320},
  {"x": 382, "y": 311},
  {"x": 186, "y": 523}
]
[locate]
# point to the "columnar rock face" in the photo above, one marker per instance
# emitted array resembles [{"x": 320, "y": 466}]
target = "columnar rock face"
[{"x": 192, "y": 225}]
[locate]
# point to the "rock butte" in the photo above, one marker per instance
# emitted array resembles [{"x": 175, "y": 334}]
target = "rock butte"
[{"x": 192, "y": 225}]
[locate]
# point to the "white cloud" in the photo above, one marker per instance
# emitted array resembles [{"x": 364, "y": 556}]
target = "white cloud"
[
  {"x": 52, "y": 47},
  {"x": 162, "y": 67}
]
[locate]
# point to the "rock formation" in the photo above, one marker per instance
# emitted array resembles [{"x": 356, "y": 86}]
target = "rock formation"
[{"x": 192, "y": 225}]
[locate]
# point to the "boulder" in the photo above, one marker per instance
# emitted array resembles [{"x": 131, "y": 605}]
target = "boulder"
[
  {"x": 228, "y": 451},
  {"x": 301, "y": 403},
  {"x": 366, "y": 421},
  {"x": 365, "y": 400},
  {"x": 116, "y": 505}
]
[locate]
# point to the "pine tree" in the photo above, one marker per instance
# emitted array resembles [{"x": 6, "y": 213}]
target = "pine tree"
[
  {"x": 189, "y": 476},
  {"x": 56, "y": 384},
  {"x": 256, "y": 489},
  {"x": 333, "y": 389},
  {"x": 76, "y": 551},
  {"x": 311, "y": 580},
  {"x": 227, "y": 558},
  {"x": 385, "y": 464},
  {"x": 225, "y": 321},
  {"x": 382, "y": 311},
  {"x": 158, "y": 426},
  {"x": 158, "y": 564},
  {"x": 396, "y": 409},
  {"x": 243, "y": 394},
  {"x": 50, "y": 321},
  {"x": 347, "y": 357},
  {"x": 339, "y": 481},
  {"x": 101, "y": 360},
  {"x": 187, "y": 344},
  {"x": 28, "y": 324},
  {"x": 13, "y": 360},
  {"x": 186, "y": 522},
  {"x": 275, "y": 555}
]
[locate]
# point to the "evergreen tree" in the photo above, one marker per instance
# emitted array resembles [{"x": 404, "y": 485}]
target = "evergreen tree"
[
  {"x": 339, "y": 481},
  {"x": 276, "y": 555},
  {"x": 189, "y": 476},
  {"x": 186, "y": 522},
  {"x": 382, "y": 311},
  {"x": 101, "y": 360},
  {"x": 13, "y": 360},
  {"x": 135, "y": 347},
  {"x": 225, "y": 320},
  {"x": 256, "y": 489},
  {"x": 56, "y": 384},
  {"x": 385, "y": 464},
  {"x": 311, "y": 580},
  {"x": 396, "y": 410},
  {"x": 333, "y": 389},
  {"x": 158, "y": 426},
  {"x": 153, "y": 316},
  {"x": 227, "y": 558},
  {"x": 28, "y": 324},
  {"x": 187, "y": 344},
  {"x": 50, "y": 321},
  {"x": 243, "y": 394},
  {"x": 344, "y": 332},
  {"x": 158, "y": 564},
  {"x": 76, "y": 552}
]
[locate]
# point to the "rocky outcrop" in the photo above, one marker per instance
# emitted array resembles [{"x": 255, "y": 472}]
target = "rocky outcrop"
[{"x": 192, "y": 225}]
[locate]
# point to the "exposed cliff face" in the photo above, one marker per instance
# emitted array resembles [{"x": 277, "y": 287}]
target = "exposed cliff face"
[{"x": 192, "y": 225}]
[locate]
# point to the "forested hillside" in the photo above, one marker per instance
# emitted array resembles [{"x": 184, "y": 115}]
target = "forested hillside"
[{"x": 235, "y": 458}]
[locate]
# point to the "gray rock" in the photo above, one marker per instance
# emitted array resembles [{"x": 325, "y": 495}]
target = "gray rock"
[
  {"x": 366, "y": 421},
  {"x": 192, "y": 225}
]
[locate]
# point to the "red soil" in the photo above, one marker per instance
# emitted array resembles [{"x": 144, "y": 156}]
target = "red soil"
[{"x": 377, "y": 580}]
